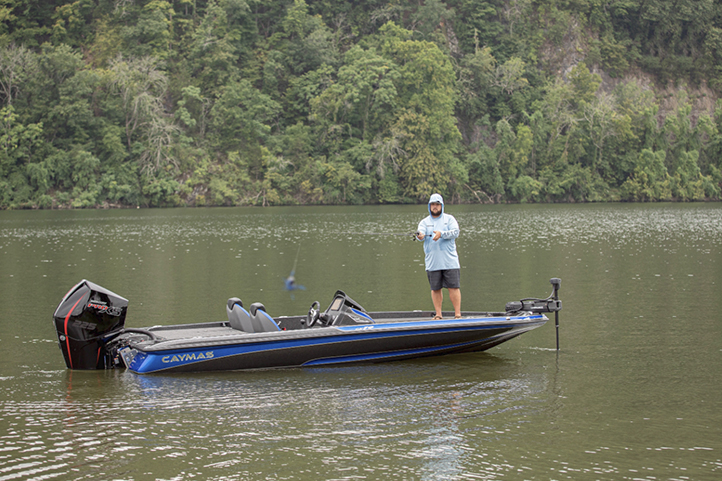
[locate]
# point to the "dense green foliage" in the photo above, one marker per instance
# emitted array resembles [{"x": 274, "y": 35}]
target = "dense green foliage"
[{"x": 251, "y": 102}]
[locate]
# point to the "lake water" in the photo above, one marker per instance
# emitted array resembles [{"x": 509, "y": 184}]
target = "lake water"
[{"x": 634, "y": 393}]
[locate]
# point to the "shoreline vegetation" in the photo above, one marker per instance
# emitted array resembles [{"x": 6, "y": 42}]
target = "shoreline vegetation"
[{"x": 170, "y": 103}]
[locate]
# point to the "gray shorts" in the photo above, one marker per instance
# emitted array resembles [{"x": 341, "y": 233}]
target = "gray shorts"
[{"x": 449, "y": 278}]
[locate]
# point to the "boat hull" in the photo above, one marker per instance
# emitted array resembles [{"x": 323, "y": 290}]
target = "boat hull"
[{"x": 325, "y": 346}]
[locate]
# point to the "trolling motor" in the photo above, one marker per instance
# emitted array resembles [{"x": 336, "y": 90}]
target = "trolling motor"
[
  {"x": 531, "y": 304},
  {"x": 550, "y": 304},
  {"x": 86, "y": 319}
]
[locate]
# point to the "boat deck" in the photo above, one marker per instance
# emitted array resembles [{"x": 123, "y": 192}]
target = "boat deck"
[
  {"x": 222, "y": 329},
  {"x": 194, "y": 332}
]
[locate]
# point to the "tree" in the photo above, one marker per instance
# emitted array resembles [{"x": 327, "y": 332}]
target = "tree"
[
  {"x": 23, "y": 174},
  {"x": 602, "y": 122},
  {"x": 363, "y": 97},
  {"x": 240, "y": 121},
  {"x": 688, "y": 183},
  {"x": 420, "y": 171},
  {"x": 142, "y": 87},
  {"x": 73, "y": 23},
  {"x": 425, "y": 125},
  {"x": 218, "y": 45},
  {"x": 150, "y": 34},
  {"x": 430, "y": 16},
  {"x": 650, "y": 181},
  {"x": 510, "y": 75},
  {"x": 476, "y": 76},
  {"x": 484, "y": 173},
  {"x": 306, "y": 39},
  {"x": 17, "y": 64}
]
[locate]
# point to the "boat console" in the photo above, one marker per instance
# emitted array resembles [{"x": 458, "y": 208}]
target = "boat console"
[{"x": 343, "y": 311}]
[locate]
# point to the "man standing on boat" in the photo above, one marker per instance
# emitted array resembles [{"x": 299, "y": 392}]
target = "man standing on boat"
[{"x": 438, "y": 232}]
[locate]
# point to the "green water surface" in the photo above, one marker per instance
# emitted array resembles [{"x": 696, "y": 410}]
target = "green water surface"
[{"x": 634, "y": 393}]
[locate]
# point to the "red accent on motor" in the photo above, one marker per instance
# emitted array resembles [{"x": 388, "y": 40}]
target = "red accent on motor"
[{"x": 88, "y": 316}]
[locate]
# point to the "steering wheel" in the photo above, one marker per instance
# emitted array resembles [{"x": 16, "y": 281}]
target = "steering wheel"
[{"x": 313, "y": 314}]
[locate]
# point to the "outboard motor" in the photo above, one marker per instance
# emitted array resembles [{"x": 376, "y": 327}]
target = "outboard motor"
[{"x": 88, "y": 316}]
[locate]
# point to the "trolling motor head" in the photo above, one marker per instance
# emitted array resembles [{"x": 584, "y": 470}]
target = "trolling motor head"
[
  {"x": 85, "y": 320},
  {"x": 556, "y": 284}
]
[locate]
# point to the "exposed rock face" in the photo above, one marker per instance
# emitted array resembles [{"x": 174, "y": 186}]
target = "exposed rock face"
[{"x": 561, "y": 58}]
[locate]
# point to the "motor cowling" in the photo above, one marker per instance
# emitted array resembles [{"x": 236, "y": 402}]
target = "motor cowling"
[{"x": 88, "y": 316}]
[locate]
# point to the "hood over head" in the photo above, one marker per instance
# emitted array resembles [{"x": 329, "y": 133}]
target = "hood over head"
[{"x": 436, "y": 198}]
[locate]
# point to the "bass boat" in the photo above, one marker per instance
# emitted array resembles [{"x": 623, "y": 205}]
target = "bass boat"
[{"x": 90, "y": 324}]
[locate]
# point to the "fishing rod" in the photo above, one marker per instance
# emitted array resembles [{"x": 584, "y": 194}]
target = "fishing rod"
[
  {"x": 405, "y": 234},
  {"x": 290, "y": 281},
  {"x": 295, "y": 261}
]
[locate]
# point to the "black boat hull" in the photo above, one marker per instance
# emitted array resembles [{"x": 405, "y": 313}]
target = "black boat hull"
[{"x": 327, "y": 346}]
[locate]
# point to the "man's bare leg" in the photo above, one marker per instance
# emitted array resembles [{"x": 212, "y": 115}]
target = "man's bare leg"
[
  {"x": 437, "y": 297},
  {"x": 455, "y": 296}
]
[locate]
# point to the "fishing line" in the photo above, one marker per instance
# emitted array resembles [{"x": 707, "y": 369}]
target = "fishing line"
[
  {"x": 295, "y": 261},
  {"x": 290, "y": 281}
]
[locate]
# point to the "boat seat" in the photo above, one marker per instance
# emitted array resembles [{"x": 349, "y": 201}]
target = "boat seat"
[
  {"x": 262, "y": 322},
  {"x": 238, "y": 317}
]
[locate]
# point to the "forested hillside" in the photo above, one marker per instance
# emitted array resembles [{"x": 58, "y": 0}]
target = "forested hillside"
[{"x": 257, "y": 102}]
